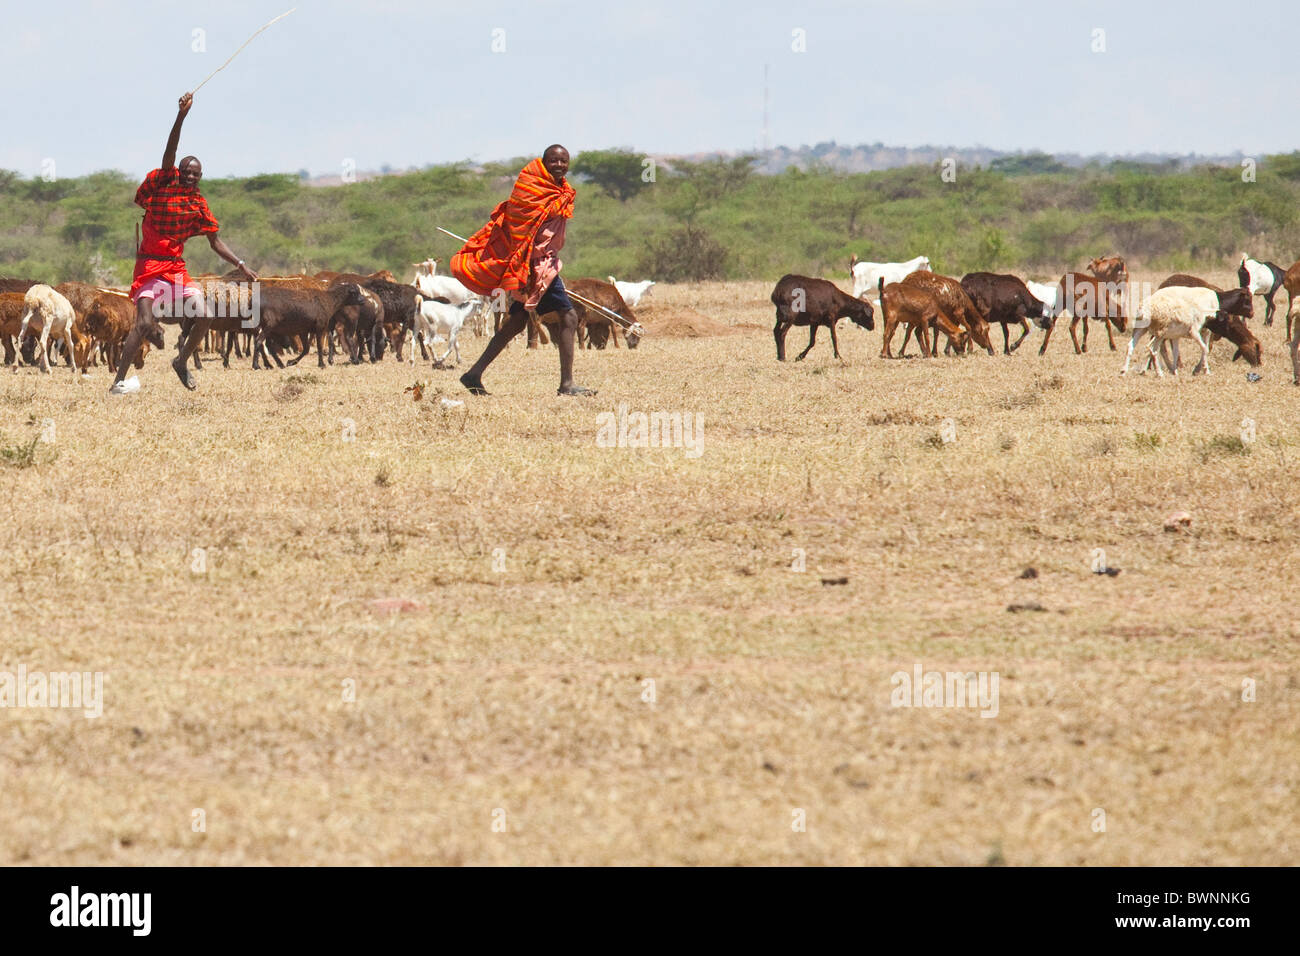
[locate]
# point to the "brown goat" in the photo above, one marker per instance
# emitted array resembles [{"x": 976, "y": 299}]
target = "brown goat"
[
  {"x": 108, "y": 319},
  {"x": 1087, "y": 297},
  {"x": 956, "y": 304},
  {"x": 920, "y": 310},
  {"x": 803, "y": 300}
]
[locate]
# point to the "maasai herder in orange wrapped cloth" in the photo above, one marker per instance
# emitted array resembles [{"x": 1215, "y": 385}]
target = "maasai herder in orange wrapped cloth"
[
  {"x": 518, "y": 252},
  {"x": 174, "y": 211}
]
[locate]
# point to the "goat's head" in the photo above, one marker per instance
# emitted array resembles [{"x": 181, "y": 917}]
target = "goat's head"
[
  {"x": 1243, "y": 274},
  {"x": 1237, "y": 302},
  {"x": 1234, "y": 329},
  {"x": 923, "y": 265},
  {"x": 861, "y": 313}
]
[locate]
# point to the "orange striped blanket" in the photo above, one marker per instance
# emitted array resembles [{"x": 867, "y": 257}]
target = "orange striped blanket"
[{"x": 499, "y": 254}]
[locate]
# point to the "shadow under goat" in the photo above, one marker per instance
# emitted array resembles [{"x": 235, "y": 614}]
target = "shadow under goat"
[{"x": 802, "y": 300}]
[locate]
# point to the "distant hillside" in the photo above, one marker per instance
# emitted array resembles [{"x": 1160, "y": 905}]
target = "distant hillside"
[{"x": 867, "y": 158}]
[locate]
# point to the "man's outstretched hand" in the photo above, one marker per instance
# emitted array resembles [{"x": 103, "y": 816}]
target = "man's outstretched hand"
[{"x": 186, "y": 101}]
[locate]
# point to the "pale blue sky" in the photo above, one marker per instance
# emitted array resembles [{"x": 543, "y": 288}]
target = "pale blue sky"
[{"x": 93, "y": 84}]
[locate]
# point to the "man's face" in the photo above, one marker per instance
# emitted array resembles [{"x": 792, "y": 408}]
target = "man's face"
[
  {"x": 191, "y": 173},
  {"x": 556, "y": 162}
]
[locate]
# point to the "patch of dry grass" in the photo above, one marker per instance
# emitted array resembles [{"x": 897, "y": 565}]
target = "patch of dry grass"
[{"x": 552, "y": 580}]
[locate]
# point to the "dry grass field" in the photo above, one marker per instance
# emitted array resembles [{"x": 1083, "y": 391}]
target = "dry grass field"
[{"x": 607, "y": 657}]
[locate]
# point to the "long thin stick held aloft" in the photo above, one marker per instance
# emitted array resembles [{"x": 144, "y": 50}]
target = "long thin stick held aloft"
[{"x": 236, "y": 53}]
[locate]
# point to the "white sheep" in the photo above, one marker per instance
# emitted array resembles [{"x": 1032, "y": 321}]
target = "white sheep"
[
  {"x": 56, "y": 317},
  {"x": 1181, "y": 312}
]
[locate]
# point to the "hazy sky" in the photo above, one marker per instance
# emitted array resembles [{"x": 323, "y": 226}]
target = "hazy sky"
[{"x": 93, "y": 86}]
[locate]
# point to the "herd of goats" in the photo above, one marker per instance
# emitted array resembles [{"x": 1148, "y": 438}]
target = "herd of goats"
[
  {"x": 926, "y": 304},
  {"x": 364, "y": 315},
  {"x": 361, "y": 315}
]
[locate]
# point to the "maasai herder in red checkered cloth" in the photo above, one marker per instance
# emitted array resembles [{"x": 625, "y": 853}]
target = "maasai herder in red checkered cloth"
[{"x": 174, "y": 211}]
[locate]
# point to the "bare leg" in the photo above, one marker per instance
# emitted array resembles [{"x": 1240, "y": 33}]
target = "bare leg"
[
  {"x": 565, "y": 335},
  {"x": 145, "y": 326},
  {"x": 516, "y": 321}
]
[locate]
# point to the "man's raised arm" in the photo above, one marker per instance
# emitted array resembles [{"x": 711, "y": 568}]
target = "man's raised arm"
[{"x": 169, "y": 155}]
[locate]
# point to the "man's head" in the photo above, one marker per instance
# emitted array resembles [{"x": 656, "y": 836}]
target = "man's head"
[
  {"x": 556, "y": 161},
  {"x": 191, "y": 171}
]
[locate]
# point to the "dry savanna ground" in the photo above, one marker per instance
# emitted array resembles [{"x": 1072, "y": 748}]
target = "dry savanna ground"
[{"x": 605, "y": 656}]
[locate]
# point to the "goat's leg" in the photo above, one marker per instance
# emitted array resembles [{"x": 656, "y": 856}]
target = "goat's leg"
[
  {"x": 1074, "y": 321},
  {"x": 1295, "y": 354},
  {"x": 886, "y": 334},
  {"x": 1024, "y": 332},
  {"x": 835, "y": 345},
  {"x": 1269, "y": 307},
  {"x": 320, "y": 348},
  {"x": 924, "y": 338},
  {"x": 778, "y": 333},
  {"x": 1006, "y": 340},
  {"x": 812, "y": 338},
  {"x": 908, "y": 329},
  {"x": 1110, "y": 331},
  {"x": 1047, "y": 337}
]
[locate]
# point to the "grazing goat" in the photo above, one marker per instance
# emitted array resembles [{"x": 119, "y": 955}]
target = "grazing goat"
[
  {"x": 289, "y": 311},
  {"x": 919, "y": 309},
  {"x": 56, "y": 317},
  {"x": 109, "y": 319},
  {"x": 1261, "y": 278},
  {"x": 434, "y": 318},
  {"x": 1004, "y": 299},
  {"x": 1083, "y": 298},
  {"x": 956, "y": 304},
  {"x": 632, "y": 292},
  {"x": 1184, "y": 312},
  {"x": 801, "y": 300},
  {"x": 867, "y": 275}
]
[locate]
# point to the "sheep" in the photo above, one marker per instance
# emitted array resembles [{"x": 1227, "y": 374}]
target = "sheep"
[
  {"x": 632, "y": 292},
  {"x": 1261, "y": 278},
  {"x": 867, "y": 275},
  {"x": 1181, "y": 311},
  {"x": 434, "y": 318},
  {"x": 55, "y": 314},
  {"x": 801, "y": 300},
  {"x": 919, "y": 308}
]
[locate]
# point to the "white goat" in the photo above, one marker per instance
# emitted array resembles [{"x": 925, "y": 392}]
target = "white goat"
[
  {"x": 433, "y": 286},
  {"x": 1181, "y": 312},
  {"x": 631, "y": 291},
  {"x": 867, "y": 275},
  {"x": 1261, "y": 278},
  {"x": 435, "y": 319},
  {"x": 55, "y": 314}
]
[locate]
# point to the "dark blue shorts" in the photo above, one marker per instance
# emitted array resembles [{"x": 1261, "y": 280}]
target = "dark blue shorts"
[{"x": 554, "y": 299}]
